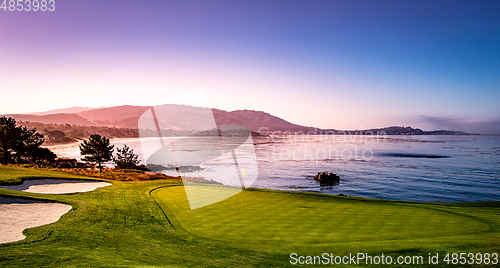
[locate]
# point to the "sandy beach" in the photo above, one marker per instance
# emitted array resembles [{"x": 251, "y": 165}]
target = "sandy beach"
[{"x": 72, "y": 150}]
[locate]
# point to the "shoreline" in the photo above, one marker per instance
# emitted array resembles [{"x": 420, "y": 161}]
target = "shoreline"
[
  {"x": 71, "y": 144},
  {"x": 349, "y": 197},
  {"x": 74, "y": 143}
]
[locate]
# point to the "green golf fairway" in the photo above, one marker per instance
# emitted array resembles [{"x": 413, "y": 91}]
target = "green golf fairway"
[
  {"x": 149, "y": 224},
  {"x": 286, "y": 222},
  {"x": 16, "y": 175}
]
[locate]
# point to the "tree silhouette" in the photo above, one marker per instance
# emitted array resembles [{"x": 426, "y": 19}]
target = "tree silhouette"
[
  {"x": 17, "y": 144},
  {"x": 97, "y": 150},
  {"x": 125, "y": 158},
  {"x": 42, "y": 157}
]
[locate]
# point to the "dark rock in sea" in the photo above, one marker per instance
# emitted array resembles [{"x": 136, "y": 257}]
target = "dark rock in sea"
[
  {"x": 412, "y": 155},
  {"x": 154, "y": 167},
  {"x": 327, "y": 177}
]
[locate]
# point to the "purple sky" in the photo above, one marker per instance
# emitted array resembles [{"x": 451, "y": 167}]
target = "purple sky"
[{"x": 330, "y": 64}]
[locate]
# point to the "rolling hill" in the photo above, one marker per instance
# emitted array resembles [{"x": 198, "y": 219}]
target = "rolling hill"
[
  {"x": 177, "y": 117},
  {"x": 72, "y": 119},
  {"x": 71, "y": 110},
  {"x": 182, "y": 117}
]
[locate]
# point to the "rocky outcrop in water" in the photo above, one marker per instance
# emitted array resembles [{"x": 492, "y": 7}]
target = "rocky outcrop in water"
[{"x": 327, "y": 177}]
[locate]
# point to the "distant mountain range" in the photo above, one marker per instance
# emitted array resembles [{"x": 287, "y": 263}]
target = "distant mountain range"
[
  {"x": 127, "y": 117},
  {"x": 72, "y": 119},
  {"x": 179, "y": 118},
  {"x": 71, "y": 110}
]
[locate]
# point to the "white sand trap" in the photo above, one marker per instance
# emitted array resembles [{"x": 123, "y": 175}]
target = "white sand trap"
[
  {"x": 17, "y": 214},
  {"x": 53, "y": 186}
]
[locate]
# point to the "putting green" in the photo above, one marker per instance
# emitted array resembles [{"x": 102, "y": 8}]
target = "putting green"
[{"x": 274, "y": 220}]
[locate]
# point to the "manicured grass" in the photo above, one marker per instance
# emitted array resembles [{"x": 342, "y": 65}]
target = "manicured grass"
[
  {"x": 149, "y": 223},
  {"x": 284, "y": 222},
  {"x": 119, "y": 225},
  {"x": 10, "y": 175}
]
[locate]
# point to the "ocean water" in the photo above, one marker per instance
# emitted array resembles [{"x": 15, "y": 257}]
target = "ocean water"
[{"x": 414, "y": 168}]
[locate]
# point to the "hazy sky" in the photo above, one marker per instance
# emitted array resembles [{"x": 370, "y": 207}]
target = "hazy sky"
[{"x": 330, "y": 64}]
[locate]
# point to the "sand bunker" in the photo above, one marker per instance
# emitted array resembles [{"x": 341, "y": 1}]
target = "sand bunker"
[
  {"x": 17, "y": 214},
  {"x": 53, "y": 186}
]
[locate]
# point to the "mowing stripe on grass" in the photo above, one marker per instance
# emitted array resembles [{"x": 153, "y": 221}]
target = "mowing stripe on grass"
[{"x": 271, "y": 219}]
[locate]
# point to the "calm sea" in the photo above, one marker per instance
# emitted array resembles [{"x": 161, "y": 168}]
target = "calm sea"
[{"x": 415, "y": 168}]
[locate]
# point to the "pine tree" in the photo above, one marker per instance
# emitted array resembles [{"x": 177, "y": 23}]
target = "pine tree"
[
  {"x": 125, "y": 158},
  {"x": 97, "y": 149},
  {"x": 17, "y": 144}
]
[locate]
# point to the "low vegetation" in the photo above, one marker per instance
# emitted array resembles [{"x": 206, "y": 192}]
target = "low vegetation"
[{"x": 125, "y": 158}]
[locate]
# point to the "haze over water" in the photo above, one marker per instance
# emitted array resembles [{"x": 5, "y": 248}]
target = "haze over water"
[
  {"x": 414, "y": 168},
  {"x": 399, "y": 169}
]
